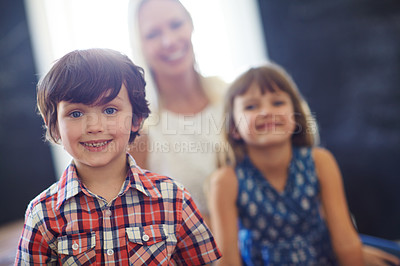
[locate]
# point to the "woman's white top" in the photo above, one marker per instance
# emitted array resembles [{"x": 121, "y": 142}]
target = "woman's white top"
[{"x": 185, "y": 147}]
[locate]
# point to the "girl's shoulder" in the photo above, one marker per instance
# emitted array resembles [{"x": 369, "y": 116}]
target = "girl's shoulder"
[
  {"x": 321, "y": 155},
  {"x": 325, "y": 164},
  {"x": 223, "y": 174}
]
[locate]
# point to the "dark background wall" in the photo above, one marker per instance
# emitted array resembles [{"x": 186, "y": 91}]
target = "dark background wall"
[
  {"x": 25, "y": 163},
  {"x": 345, "y": 57}
]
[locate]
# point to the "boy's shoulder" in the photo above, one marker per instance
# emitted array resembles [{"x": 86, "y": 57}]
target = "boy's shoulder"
[
  {"x": 48, "y": 194},
  {"x": 53, "y": 197},
  {"x": 153, "y": 180},
  {"x": 155, "y": 184},
  {"x": 148, "y": 178}
]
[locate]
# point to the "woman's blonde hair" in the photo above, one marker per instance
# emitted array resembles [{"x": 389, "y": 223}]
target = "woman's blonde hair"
[{"x": 268, "y": 77}]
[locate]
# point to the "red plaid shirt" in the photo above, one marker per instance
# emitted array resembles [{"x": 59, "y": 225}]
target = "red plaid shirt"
[{"x": 153, "y": 221}]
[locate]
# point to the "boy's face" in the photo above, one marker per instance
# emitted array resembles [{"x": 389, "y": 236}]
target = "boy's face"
[{"x": 96, "y": 135}]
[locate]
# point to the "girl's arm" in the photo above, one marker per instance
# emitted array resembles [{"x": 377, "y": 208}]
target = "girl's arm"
[
  {"x": 224, "y": 215},
  {"x": 345, "y": 240}
]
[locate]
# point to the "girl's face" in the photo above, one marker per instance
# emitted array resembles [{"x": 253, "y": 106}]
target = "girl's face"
[
  {"x": 265, "y": 119},
  {"x": 96, "y": 136},
  {"x": 166, "y": 31}
]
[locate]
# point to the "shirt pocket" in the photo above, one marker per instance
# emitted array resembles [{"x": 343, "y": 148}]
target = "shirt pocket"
[
  {"x": 77, "y": 248},
  {"x": 147, "y": 245}
]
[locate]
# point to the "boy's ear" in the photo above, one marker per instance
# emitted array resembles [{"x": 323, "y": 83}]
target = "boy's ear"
[
  {"x": 53, "y": 134},
  {"x": 136, "y": 124},
  {"x": 56, "y": 133}
]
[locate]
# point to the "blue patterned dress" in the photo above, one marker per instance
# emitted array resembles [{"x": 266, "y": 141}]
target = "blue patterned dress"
[{"x": 283, "y": 228}]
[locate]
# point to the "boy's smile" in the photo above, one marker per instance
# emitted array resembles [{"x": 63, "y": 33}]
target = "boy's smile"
[
  {"x": 96, "y": 135},
  {"x": 97, "y": 145}
]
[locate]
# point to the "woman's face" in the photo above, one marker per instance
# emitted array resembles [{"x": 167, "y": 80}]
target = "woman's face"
[{"x": 165, "y": 30}]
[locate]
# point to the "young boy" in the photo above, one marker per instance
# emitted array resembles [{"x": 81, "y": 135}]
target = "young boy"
[{"x": 105, "y": 209}]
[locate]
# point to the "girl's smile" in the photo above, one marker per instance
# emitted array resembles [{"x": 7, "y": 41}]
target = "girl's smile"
[{"x": 267, "y": 126}]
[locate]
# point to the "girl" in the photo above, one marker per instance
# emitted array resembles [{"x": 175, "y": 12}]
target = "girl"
[{"x": 279, "y": 197}]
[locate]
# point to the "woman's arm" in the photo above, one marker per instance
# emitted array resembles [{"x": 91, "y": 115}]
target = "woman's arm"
[
  {"x": 224, "y": 215},
  {"x": 345, "y": 240}
]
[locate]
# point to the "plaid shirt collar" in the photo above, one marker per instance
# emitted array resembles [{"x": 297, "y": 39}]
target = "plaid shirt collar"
[{"x": 70, "y": 185}]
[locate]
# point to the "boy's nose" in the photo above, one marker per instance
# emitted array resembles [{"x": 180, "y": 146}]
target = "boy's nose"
[{"x": 94, "y": 123}]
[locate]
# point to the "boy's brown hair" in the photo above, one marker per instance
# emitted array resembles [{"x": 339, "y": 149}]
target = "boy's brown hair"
[
  {"x": 91, "y": 77},
  {"x": 268, "y": 77}
]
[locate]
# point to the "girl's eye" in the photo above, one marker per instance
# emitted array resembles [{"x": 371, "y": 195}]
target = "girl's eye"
[
  {"x": 75, "y": 114},
  {"x": 110, "y": 111},
  {"x": 279, "y": 103}
]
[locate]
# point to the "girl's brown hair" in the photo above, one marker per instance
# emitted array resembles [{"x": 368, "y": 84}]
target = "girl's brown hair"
[{"x": 268, "y": 77}]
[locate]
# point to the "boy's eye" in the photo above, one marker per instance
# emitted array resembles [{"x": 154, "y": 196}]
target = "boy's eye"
[
  {"x": 75, "y": 114},
  {"x": 110, "y": 111}
]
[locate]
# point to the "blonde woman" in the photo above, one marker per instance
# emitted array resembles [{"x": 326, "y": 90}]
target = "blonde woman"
[{"x": 181, "y": 138}]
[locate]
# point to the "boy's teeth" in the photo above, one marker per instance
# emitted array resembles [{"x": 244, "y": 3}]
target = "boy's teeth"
[{"x": 96, "y": 144}]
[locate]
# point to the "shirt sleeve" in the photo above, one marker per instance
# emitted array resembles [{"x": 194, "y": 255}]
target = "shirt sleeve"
[
  {"x": 196, "y": 244},
  {"x": 33, "y": 249}
]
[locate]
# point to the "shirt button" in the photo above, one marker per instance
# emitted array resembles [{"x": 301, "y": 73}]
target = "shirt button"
[
  {"x": 108, "y": 213},
  {"x": 145, "y": 237},
  {"x": 110, "y": 252},
  {"x": 75, "y": 246}
]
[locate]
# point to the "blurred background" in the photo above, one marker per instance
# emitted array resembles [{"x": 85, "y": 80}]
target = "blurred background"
[{"x": 344, "y": 55}]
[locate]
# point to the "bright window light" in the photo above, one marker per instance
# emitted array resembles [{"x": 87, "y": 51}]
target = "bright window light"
[{"x": 81, "y": 24}]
